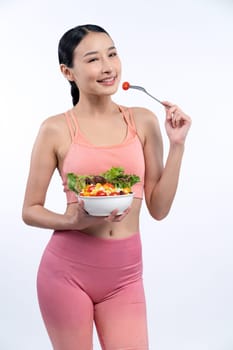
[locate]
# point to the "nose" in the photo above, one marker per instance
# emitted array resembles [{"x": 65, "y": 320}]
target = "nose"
[{"x": 106, "y": 66}]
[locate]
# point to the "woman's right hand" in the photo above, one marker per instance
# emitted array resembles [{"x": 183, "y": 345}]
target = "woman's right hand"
[{"x": 79, "y": 219}]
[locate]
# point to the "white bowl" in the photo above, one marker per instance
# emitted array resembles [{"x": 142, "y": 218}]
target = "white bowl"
[{"x": 103, "y": 206}]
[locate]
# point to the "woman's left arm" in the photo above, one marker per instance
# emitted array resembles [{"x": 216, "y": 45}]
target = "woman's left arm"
[{"x": 161, "y": 181}]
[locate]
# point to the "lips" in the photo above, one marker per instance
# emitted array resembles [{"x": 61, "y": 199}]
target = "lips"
[{"x": 107, "y": 81}]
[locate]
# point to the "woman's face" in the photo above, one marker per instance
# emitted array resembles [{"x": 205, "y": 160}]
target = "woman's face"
[{"x": 96, "y": 65}]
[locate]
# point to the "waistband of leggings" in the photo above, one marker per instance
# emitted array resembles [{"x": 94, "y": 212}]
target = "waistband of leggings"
[{"x": 86, "y": 249}]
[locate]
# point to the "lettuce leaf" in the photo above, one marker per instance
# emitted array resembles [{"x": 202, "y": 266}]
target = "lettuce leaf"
[
  {"x": 115, "y": 176},
  {"x": 76, "y": 182}
]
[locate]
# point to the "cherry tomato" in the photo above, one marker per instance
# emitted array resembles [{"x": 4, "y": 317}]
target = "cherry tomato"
[
  {"x": 101, "y": 193},
  {"x": 125, "y": 85},
  {"x": 90, "y": 188}
]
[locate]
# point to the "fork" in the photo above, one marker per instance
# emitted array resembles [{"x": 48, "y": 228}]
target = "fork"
[{"x": 127, "y": 86}]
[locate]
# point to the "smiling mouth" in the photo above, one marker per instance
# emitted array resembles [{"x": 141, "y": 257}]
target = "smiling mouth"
[{"x": 109, "y": 80}]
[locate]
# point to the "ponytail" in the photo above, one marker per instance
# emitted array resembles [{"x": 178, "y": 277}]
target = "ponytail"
[{"x": 74, "y": 93}]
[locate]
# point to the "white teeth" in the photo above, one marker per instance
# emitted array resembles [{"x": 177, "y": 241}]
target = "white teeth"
[{"x": 107, "y": 80}]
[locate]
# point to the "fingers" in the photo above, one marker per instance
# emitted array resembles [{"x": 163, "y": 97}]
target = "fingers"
[
  {"x": 176, "y": 119},
  {"x": 167, "y": 104},
  {"x": 175, "y": 115},
  {"x": 81, "y": 203},
  {"x": 81, "y": 207},
  {"x": 123, "y": 215},
  {"x": 115, "y": 217}
]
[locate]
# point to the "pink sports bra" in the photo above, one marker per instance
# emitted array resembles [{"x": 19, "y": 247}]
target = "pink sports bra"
[{"x": 84, "y": 158}]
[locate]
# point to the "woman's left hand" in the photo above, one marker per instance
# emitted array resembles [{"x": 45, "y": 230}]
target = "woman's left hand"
[
  {"x": 177, "y": 123},
  {"x": 114, "y": 217}
]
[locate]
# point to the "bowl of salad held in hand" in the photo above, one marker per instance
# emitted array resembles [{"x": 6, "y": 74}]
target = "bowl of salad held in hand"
[{"x": 105, "y": 192}]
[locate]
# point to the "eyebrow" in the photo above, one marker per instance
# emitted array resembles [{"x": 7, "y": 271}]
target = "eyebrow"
[{"x": 95, "y": 52}]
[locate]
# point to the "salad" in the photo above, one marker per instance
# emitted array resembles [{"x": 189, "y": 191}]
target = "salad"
[{"x": 112, "y": 182}]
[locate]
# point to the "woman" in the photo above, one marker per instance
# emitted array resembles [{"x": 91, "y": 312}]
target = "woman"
[{"x": 91, "y": 270}]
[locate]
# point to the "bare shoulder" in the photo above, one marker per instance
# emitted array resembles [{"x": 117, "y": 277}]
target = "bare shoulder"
[
  {"x": 53, "y": 133},
  {"x": 144, "y": 117},
  {"x": 54, "y": 127},
  {"x": 53, "y": 123},
  {"x": 146, "y": 122}
]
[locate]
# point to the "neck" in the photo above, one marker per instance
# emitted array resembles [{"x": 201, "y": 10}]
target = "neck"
[{"x": 95, "y": 105}]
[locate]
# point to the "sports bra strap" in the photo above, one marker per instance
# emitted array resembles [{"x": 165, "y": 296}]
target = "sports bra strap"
[
  {"x": 128, "y": 115},
  {"x": 72, "y": 124}
]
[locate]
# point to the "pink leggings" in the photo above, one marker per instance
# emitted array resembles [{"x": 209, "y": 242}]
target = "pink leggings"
[{"x": 85, "y": 280}]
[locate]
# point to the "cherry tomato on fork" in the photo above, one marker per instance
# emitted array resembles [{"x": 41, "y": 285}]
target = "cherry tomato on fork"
[{"x": 125, "y": 85}]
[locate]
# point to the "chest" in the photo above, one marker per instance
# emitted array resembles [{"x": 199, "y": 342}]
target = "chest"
[
  {"x": 106, "y": 132},
  {"x": 83, "y": 159}
]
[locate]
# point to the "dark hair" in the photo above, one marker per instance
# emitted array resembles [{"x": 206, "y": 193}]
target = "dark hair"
[{"x": 67, "y": 45}]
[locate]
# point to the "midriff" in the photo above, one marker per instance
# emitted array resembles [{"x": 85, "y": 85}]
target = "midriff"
[{"x": 122, "y": 229}]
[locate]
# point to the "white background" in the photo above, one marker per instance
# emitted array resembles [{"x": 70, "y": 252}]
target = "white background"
[{"x": 178, "y": 50}]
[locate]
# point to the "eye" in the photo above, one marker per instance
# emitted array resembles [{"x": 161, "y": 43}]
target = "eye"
[
  {"x": 113, "y": 54},
  {"x": 93, "y": 59}
]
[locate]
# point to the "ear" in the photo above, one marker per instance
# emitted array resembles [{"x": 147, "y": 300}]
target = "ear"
[{"x": 67, "y": 72}]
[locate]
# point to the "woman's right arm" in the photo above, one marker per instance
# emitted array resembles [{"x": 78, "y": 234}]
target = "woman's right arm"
[{"x": 42, "y": 166}]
